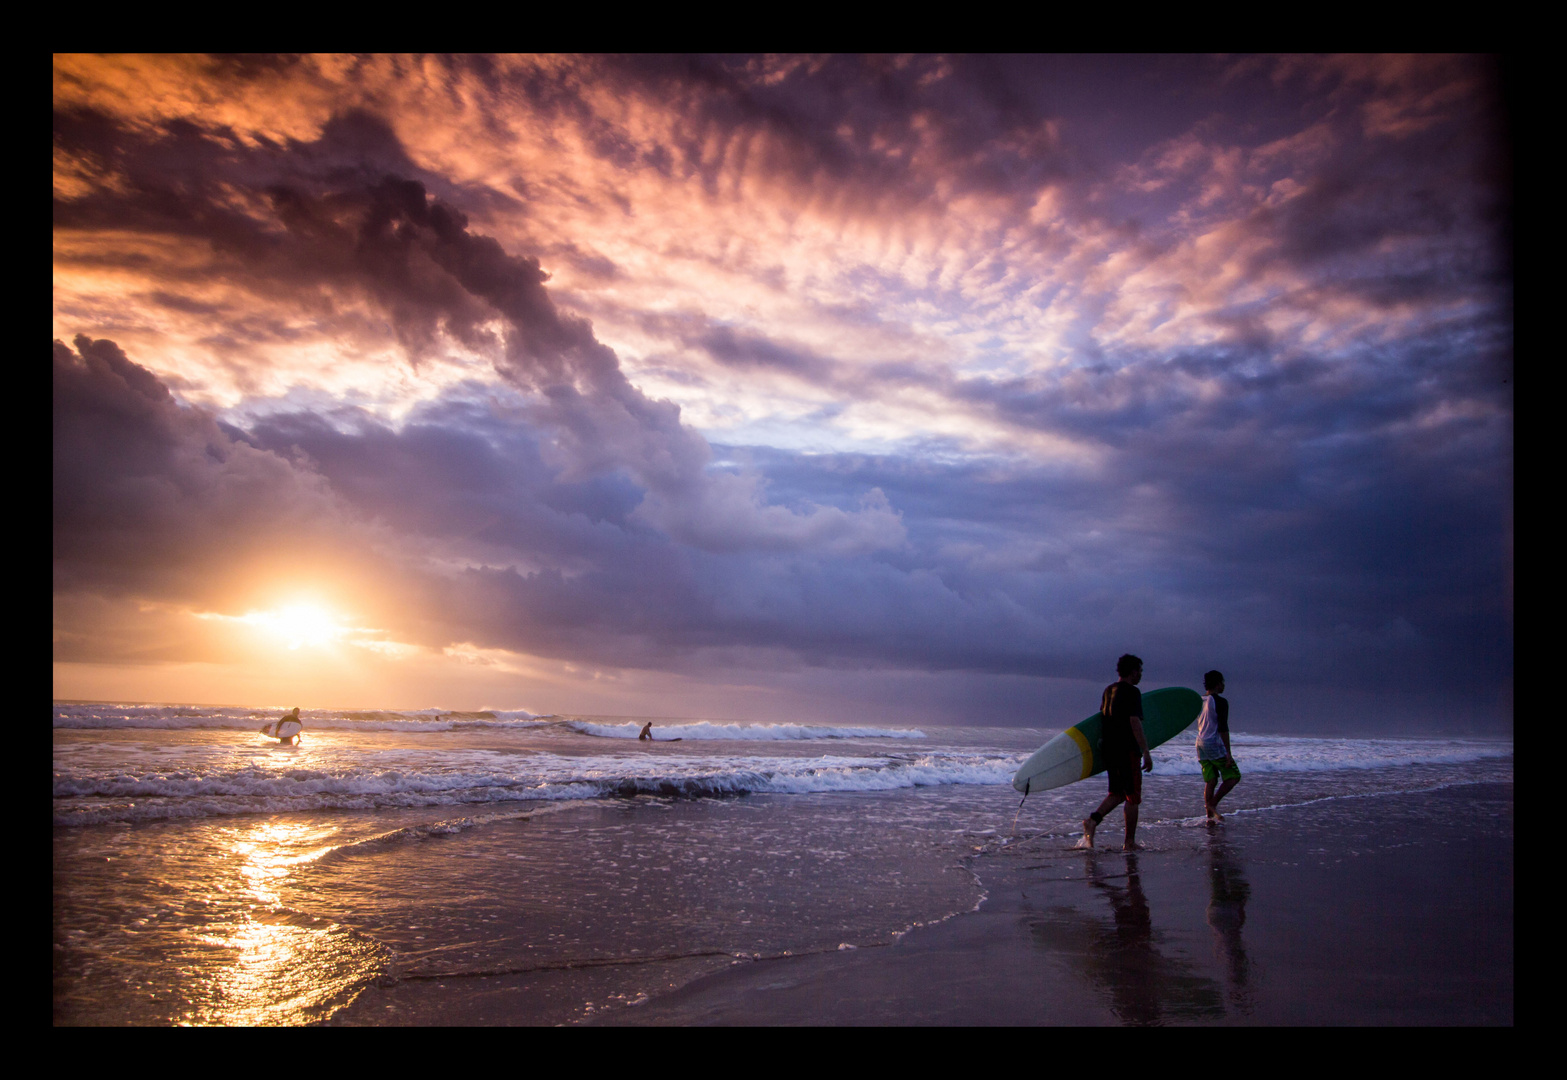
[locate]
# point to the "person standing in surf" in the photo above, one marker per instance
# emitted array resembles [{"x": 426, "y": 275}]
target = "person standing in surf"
[
  {"x": 1121, "y": 741},
  {"x": 293, "y": 739},
  {"x": 1213, "y": 745}
]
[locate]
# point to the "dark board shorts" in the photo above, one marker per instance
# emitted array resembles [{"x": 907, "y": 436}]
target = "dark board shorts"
[{"x": 1125, "y": 771}]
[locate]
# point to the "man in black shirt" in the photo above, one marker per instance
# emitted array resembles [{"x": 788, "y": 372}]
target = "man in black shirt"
[{"x": 1120, "y": 743}]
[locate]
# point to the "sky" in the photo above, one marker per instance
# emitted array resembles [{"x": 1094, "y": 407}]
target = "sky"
[{"x": 886, "y": 389}]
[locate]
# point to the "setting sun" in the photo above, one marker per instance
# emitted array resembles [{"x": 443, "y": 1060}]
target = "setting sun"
[{"x": 295, "y": 624}]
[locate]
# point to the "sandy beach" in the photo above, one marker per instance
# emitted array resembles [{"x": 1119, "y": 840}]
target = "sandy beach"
[
  {"x": 1265, "y": 921},
  {"x": 1261, "y": 925}
]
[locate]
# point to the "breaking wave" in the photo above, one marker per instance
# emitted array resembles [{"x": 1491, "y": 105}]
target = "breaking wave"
[
  {"x": 706, "y": 730},
  {"x": 91, "y": 796}
]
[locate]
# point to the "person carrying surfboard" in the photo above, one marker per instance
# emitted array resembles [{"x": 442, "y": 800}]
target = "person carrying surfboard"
[
  {"x": 287, "y": 718},
  {"x": 1213, "y": 745},
  {"x": 1120, "y": 744}
]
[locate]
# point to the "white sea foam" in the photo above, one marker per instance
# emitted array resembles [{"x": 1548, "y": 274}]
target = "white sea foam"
[
  {"x": 137, "y": 788},
  {"x": 706, "y": 730},
  {"x": 1289, "y": 753},
  {"x": 224, "y": 718}
]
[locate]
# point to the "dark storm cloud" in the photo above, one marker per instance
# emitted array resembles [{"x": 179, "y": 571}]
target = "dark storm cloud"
[
  {"x": 1001, "y": 562},
  {"x": 417, "y": 260},
  {"x": 1008, "y": 571},
  {"x": 156, "y": 500},
  {"x": 146, "y": 489},
  {"x": 458, "y": 473},
  {"x": 742, "y": 350}
]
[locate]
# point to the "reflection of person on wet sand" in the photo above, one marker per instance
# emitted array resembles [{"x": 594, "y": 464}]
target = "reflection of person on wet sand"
[
  {"x": 1133, "y": 924},
  {"x": 1122, "y": 958},
  {"x": 1120, "y": 741},
  {"x": 1146, "y": 987},
  {"x": 647, "y": 732},
  {"x": 1135, "y": 967},
  {"x": 1226, "y": 916}
]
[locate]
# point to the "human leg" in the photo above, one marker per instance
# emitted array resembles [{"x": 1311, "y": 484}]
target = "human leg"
[
  {"x": 1211, "y": 770},
  {"x": 1231, "y": 775},
  {"x": 1131, "y": 827},
  {"x": 1091, "y": 822},
  {"x": 1224, "y": 789},
  {"x": 1134, "y": 799}
]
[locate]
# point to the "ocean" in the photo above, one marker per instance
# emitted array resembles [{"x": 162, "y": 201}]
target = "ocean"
[{"x": 501, "y": 867}]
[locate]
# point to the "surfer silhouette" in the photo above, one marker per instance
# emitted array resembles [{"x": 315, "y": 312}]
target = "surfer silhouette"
[
  {"x": 647, "y": 732},
  {"x": 1120, "y": 743},
  {"x": 1213, "y": 745},
  {"x": 289, "y": 722}
]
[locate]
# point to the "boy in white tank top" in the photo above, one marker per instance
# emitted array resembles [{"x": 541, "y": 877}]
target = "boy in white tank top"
[{"x": 1213, "y": 745}]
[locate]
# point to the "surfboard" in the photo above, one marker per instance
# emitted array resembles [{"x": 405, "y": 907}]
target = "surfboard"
[
  {"x": 282, "y": 729},
  {"x": 1074, "y": 754}
]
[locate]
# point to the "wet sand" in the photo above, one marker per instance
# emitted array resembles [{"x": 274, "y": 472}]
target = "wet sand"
[{"x": 1284, "y": 917}]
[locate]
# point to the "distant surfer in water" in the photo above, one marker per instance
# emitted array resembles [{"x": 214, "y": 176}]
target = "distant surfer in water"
[
  {"x": 1213, "y": 745},
  {"x": 1119, "y": 745},
  {"x": 647, "y": 732}
]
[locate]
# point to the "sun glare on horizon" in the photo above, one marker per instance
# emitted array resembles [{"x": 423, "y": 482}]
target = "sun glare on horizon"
[{"x": 298, "y": 624}]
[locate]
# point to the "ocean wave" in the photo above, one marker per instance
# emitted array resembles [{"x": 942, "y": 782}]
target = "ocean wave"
[
  {"x": 707, "y": 731},
  {"x": 1291, "y": 753},
  {"x": 173, "y": 777},
  {"x": 94, "y": 796},
  {"x": 233, "y": 718},
  {"x": 196, "y": 717}
]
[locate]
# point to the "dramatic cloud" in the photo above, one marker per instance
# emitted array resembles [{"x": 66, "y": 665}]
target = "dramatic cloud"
[{"x": 857, "y": 367}]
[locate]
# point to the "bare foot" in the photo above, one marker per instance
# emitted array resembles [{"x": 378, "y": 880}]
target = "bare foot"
[
  {"x": 1088, "y": 832},
  {"x": 1132, "y": 845}
]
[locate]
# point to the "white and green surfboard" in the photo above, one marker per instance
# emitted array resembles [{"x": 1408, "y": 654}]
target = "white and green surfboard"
[{"x": 1074, "y": 754}]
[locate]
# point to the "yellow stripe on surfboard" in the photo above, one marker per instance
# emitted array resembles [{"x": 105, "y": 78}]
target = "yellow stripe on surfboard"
[{"x": 1087, "y": 751}]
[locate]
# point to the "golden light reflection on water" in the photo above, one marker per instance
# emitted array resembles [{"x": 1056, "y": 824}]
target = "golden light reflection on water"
[
  {"x": 268, "y": 851},
  {"x": 277, "y": 965}
]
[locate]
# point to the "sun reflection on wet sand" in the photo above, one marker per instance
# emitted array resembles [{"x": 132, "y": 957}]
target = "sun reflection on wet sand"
[{"x": 282, "y": 966}]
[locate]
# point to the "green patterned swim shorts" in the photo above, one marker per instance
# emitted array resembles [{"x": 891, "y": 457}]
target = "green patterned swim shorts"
[{"x": 1213, "y": 768}]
